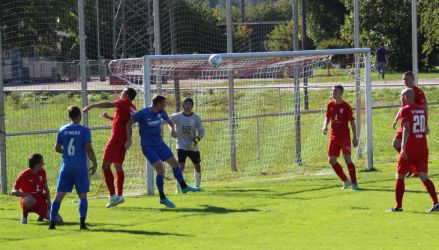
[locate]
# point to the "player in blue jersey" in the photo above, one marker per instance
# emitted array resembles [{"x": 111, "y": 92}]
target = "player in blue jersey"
[
  {"x": 74, "y": 143},
  {"x": 153, "y": 146}
]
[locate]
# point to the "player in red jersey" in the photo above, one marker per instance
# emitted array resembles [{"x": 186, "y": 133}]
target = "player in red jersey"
[
  {"x": 31, "y": 187},
  {"x": 419, "y": 98},
  {"x": 339, "y": 113},
  {"x": 115, "y": 149},
  {"x": 414, "y": 149}
]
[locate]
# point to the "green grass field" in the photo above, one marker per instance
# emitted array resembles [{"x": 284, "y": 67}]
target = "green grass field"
[{"x": 303, "y": 212}]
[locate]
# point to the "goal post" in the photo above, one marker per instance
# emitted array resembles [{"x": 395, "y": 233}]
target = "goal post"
[{"x": 249, "y": 72}]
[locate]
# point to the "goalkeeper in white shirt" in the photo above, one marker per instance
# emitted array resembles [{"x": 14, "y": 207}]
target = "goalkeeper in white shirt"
[{"x": 190, "y": 131}]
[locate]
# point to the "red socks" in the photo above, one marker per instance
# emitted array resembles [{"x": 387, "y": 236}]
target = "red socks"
[
  {"x": 339, "y": 171},
  {"x": 399, "y": 192},
  {"x": 109, "y": 180},
  {"x": 352, "y": 173},
  {"x": 120, "y": 177},
  {"x": 431, "y": 190}
]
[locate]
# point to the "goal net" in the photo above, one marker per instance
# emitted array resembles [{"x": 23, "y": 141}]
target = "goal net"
[{"x": 263, "y": 112}]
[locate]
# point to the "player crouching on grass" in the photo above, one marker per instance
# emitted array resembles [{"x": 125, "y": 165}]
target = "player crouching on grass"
[
  {"x": 190, "y": 131},
  {"x": 115, "y": 149},
  {"x": 153, "y": 146},
  {"x": 31, "y": 187},
  {"x": 414, "y": 149},
  {"x": 73, "y": 141},
  {"x": 339, "y": 113}
]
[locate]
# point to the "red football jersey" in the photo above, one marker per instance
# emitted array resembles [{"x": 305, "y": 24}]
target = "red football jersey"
[
  {"x": 340, "y": 116},
  {"x": 28, "y": 182},
  {"x": 416, "y": 116},
  {"x": 419, "y": 96},
  {"x": 124, "y": 110}
]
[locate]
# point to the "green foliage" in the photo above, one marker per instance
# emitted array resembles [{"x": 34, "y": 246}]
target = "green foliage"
[
  {"x": 429, "y": 27},
  {"x": 332, "y": 43},
  {"x": 280, "y": 10},
  {"x": 281, "y": 37}
]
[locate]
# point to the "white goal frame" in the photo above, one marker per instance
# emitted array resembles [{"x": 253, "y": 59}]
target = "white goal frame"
[{"x": 147, "y": 60}]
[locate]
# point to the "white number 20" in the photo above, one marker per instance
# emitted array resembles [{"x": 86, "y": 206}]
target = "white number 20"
[
  {"x": 418, "y": 124},
  {"x": 71, "y": 147}
]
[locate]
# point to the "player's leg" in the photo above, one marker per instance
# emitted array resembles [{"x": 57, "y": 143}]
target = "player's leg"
[
  {"x": 181, "y": 157},
  {"x": 109, "y": 181},
  {"x": 160, "y": 183},
  {"x": 24, "y": 214},
  {"x": 82, "y": 185},
  {"x": 54, "y": 209},
  {"x": 120, "y": 178},
  {"x": 351, "y": 170},
  {"x": 422, "y": 167},
  {"x": 196, "y": 160},
  {"x": 333, "y": 153},
  {"x": 401, "y": 172}
]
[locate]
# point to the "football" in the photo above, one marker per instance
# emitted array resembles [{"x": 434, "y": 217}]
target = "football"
[
  {"x": 215, "y": 60},
  {"x": 29, "y": 202}
]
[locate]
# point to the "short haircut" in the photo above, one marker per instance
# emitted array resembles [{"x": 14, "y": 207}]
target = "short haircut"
[
  {"x": 34, "y": 159},
  {"x": 158, "y": 99},
  {"x": 381, "y": 43},
  {"x": 340, "y": 88},
  {"x": 131, "y": 93},
  {"x": 74, "y": 112},
  {"x": 189, "y": 100},
  {"x": 409, "y": 73}
]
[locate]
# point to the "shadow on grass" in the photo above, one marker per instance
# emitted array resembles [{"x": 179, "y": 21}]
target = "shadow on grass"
[
  {"x": 206, "y": 209},
  {"x": 138, "y": 232}
]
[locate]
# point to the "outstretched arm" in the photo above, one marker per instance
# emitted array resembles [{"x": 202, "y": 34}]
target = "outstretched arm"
[
  {"x": 102, "y": 105},
  {"x": 106, "y": 116}
]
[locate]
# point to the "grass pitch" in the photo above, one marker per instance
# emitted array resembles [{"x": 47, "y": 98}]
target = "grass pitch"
[{"x": 304, "y": 212}]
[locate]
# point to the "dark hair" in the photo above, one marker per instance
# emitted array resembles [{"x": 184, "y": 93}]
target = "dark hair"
[
  {"x": 157, "y": 99},
  {"x": 340, "y": 88},
  {"x": 74, "y": 112},
  {"x": 131, "y": 93},
  {"x": 381, "y": 43},
  {"x": 409, "y": 73},
  {"x": 34, "y": 159},
  {"x": 189, "y": 100}
]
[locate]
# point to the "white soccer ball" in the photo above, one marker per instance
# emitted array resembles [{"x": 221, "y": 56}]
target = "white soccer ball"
[{"x": 215, "y": 60}]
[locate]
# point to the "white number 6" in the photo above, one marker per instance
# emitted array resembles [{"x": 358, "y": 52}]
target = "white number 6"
[{"x": 71, "y": 147}]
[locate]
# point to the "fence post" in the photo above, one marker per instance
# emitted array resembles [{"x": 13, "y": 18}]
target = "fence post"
[
  {"x": 147, "y": 99},
  {"x": 4, "y": 176},
  {"x": 258, "y": 143},
  {"x": 82, "y": 58},
  {"x": 232, "y": 122}
]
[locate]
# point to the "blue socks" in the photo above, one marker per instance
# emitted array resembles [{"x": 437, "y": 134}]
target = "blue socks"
[
  {"x": 179, "y": 177},
  {"x": 83, "y": 206},
  {"x": 54, "y": 210}
]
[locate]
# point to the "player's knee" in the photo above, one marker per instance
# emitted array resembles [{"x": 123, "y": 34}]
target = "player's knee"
[
  {"x": 59, "y": 196},
  {"x": 105, "y": 165},
  {"x": 82, "y": 196},
  {"x": 332, "y": 161}
]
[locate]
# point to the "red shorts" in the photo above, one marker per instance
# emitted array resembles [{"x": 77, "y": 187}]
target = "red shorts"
[
  {"x": 335, "y": 145},
  {"x": 41, "y": 208},
  {"x": 417, "y": 163},
  {"x": 114, "y": 152},
  {"x": 398, "y": 134}
]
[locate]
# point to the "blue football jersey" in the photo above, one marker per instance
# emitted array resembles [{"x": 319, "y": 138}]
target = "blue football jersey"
[
  {"x": 73, "y": 138},
  {"x": 150, "y": 126}
]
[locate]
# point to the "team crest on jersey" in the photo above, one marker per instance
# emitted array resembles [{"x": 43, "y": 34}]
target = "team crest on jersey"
[
  {"x": 41, "y": 178},
  {"x": 341, "y": 111}
]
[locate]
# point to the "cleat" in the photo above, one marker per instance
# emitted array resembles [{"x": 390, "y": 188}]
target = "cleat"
[
  {"x": 23, "y": 220},
  {"x": 52, "y": 225},
  {"x": 394, "y": 209},
  {"x": 167, "y": 203},
  {"x": 435, "y": 208},
  {"x": 346, "y": 184},
  {"x": 190, "y": 189},
  {"x": 120, "y": 200},
  {"x": 178, "y": 191},
  {"x": 83, "y": 227},
  {"x": 355, "y": 187},
  {"x": 40, "y": 219},
  {"x": 112, "y": 201}
]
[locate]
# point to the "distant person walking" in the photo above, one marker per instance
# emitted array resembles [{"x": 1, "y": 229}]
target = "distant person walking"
[{"x": 381, "y": 60}]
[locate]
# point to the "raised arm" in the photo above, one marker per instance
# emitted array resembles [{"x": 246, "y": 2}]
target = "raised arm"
[
  {"x": 129, "y": 131},
  {"x": 106, "y": 116},
  {"x": 92, "y": 157},
  {"x": 102, "y": 105}
]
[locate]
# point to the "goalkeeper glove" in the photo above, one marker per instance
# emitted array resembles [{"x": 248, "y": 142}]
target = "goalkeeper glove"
[{"x": 197, "y": 139}]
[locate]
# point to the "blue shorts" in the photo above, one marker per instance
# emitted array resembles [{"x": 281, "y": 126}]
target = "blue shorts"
[
  {"x": 67, "y": 180},
  {"x": 157, "y": 153}
]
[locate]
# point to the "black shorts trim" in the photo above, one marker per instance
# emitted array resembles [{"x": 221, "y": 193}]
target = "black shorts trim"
[{"x": 193, "y": 155}]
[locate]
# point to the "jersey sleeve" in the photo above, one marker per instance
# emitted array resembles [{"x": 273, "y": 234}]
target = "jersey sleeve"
[
  {"x": 87, "y": 135},
  {"x": 44, "y": 177},
  {"x": 404, "y": 115},
  {"x": 200, "y": 127},
  {"x": 328, "y": 111},
  {"x": 174, "y": 117},
  {"x": 421, "y": 98},
  {"x": 137, "y": 116},
  {"x": 19, "y": 182},
  {"x": 165, "y": 116}
]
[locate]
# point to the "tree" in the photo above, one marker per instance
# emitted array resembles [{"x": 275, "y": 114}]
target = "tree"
[{"x": 429, "y": 27}]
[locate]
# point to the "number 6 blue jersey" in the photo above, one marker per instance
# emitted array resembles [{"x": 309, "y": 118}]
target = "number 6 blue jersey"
[{"x": 73, "y": 138}]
